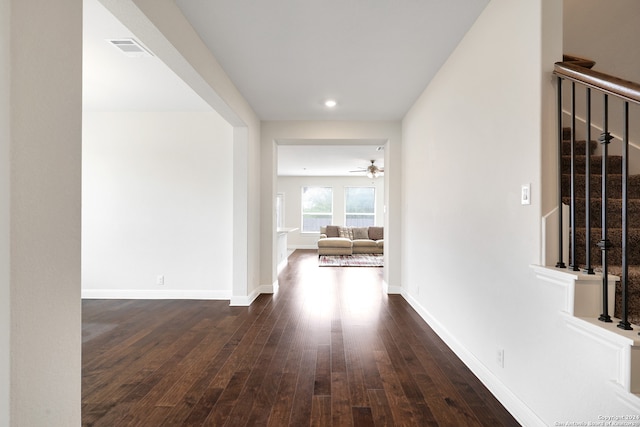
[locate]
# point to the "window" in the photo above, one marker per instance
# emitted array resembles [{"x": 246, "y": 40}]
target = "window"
[
  {"x": 317, "y": 208},
  {"x": 360, "y": 203}
]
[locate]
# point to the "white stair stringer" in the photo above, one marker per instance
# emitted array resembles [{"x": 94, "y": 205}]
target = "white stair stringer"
[{"x": 582, "y": 307}]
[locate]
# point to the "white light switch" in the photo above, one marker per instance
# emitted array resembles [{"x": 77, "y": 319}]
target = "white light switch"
[{"x": 525, "y": 194}]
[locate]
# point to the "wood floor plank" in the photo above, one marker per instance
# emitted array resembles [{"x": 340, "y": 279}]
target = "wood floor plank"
[
  {"x": 265, "y": 396},
  {"x": 381, "y": 408},
  {"x": 408, "y": 360},
  {"x": 243, "y": 409},
  {"x": 224, "y": 405},
  {"x": 281, "y": 411},
  {"x": 341, "y": 408},
  {"x": 199, "y": 396},
  {"x": 302, "y": 398},
  {"x": 398, "y": 402},
  {"x": 362, "y": 417},
  {"x": 338, "y": 362},
  {"x": 463, "y": 385},
  {"x": 355, "y": 377},
  {"x": 200, "y": 411},
  {"x": 322, "y": 384},
  {"x": 321, "y": 411},
  {"x": 328, "y": 349}
]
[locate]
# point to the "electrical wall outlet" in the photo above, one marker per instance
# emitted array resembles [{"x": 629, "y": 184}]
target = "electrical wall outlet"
[{"x": 160, "y": 280}]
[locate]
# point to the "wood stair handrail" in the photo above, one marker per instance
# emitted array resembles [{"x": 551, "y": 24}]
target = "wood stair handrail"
[{"x": 579, "y": 70}]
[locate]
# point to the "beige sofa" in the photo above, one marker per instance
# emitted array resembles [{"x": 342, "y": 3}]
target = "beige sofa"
[{"x": 338, "y": 240}]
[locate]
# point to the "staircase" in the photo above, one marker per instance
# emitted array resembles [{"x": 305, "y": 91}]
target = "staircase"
[{"x": 614, "y": 218}]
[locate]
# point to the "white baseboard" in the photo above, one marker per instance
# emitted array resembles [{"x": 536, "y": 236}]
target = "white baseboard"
[
  {"x": 314, "y": 246},
  {"x": 510, "y": 401},
  {"x": 154, "y": 294},
  {"x": 392, "y": 290},
  {"x": 245, "y": 301}
]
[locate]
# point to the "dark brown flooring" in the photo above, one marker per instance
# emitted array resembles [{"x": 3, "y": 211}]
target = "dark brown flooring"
[{"x": 330, "y": 348}]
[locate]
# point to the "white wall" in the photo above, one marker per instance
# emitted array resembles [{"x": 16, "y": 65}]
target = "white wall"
[
  {"x": 601, "y": 30},
  {"x": 227, "y": 101},
  {"x": 157, "y": 200},
  {"x": 45, "y": 198},
  {"x": 605, "y": 32},
  {"x": 465, "y": 229},
  {"x": 300, "y": 130},
  {"x": 160, "y": 25},
  {"x": 5, "y": 299},
  {"x": 291, "y": 187}
]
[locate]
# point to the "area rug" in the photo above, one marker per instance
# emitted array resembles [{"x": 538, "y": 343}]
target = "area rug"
[{"x": 357, "y": 260}]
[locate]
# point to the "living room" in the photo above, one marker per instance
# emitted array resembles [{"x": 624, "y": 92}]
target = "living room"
[{"x": 302, "y": 168}]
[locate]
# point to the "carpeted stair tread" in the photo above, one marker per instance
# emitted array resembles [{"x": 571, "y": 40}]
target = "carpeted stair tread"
[
  {"x": 580, "y": 147},
  {"x": 614, "y": 218},
  {"x": 615, "y": 252},
  {"x": 614, "y": 211},
  {"x": 614, "y": 185},
  {"x": 614, "y": 166},
  {"x": 633, "y": 291}
]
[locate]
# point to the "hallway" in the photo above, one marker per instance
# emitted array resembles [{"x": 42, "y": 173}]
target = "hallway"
[{"x": 329, "y": 348}]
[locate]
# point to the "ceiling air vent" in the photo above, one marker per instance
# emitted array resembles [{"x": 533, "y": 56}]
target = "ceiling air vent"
[{"x": 130, "y": 47}]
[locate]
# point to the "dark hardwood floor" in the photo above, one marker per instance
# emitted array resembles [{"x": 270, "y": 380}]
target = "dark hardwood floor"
[{"x": 330, "y": 348}]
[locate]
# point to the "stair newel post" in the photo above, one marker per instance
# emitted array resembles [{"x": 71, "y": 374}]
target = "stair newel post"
[
  {"x": 560, "y": 263},
  {"x": 624, "y": 323},
  {"x": 572, "y": 219},
  {"x": 587, "y": 185},
  {"x": 605, "y": 244}
]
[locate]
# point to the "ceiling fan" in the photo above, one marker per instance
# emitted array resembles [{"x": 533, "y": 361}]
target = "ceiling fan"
[{"x": 372, "y": 170}]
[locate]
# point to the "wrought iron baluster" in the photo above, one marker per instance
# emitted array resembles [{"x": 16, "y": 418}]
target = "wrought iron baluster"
[
  {"x": 624, "y": 323},
  {"x": 572, "y": 220},
  {"x": 560, "y": 263},
  {"x": 587, "y": 186},
  {"x": 605, "y": 244}
]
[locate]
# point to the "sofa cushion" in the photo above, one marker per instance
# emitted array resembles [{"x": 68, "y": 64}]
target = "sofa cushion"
[
  {"x": 376, "y": 233},
  {"x": 334, "y": 251},
  {"x": 332, "y": 231},
  {"x": 334, "y": 242},
  {"x": 360, "y": 233},
  {"x": 364, "y": 242},
  {"x": 367, "y": 246}
]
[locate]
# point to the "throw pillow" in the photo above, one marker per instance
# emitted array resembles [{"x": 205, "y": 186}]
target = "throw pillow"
[
  {"x": 332, "y": 231},
  {"x": 376, "y": 233},
  {"x": 360, "y": 233},
  {"x": 346, "y": 232}
]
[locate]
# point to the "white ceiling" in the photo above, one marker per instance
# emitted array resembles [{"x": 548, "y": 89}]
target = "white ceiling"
[
  {"x": 115, "y": 82},
  {"x": 312, "y": 157},
  {"x": 374, "y": 57}
]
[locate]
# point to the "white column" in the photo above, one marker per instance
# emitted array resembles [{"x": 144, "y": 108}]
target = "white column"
[
  {"x": 5, "y": 322},
  {"x": 45, "y": 130}
]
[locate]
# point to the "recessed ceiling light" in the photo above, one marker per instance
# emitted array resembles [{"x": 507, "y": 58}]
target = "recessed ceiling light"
[{"x": 330, "y": 103}]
